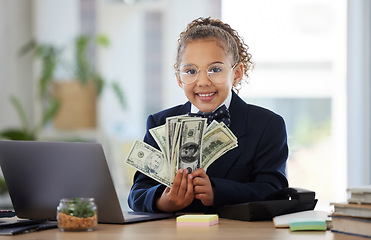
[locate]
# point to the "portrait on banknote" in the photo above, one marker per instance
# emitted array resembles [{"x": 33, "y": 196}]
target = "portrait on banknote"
[{"x": 153, "y": 163}]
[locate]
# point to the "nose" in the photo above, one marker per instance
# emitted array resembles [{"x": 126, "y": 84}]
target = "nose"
[{"x": 203, "y": 78}]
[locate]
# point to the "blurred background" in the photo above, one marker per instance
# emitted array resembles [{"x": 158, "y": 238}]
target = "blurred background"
[{"x": 312, "y": 67}]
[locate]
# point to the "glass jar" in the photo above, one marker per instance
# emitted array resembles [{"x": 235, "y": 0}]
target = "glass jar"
[{"x": 77, "y": 214}]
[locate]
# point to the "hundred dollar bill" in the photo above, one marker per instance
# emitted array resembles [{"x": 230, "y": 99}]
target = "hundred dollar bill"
[
  {"x": 149, "y": 161},
  {"x": 228, "y": 129},
  {"x": 174, "y": 133},
  {"x": 190, "y": 143},
  {"x": 159, "y": 134},
  {"x": 216, "y": 143},
  {"x": 170, "y": 134},
  {"x": 175, "y": 142},
  {"x": 173, "y": 167},
  {"x": 212, "y": 126}
]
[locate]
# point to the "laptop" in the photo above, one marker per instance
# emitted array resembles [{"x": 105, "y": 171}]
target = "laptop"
[{"x": 39, "y": 174}]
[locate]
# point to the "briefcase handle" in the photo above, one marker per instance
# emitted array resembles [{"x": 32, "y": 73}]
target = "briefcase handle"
[{"x": 301, "y": 194}]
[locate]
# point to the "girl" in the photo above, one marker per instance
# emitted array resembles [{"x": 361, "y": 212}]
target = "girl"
[{"x": 210, "y": 64}]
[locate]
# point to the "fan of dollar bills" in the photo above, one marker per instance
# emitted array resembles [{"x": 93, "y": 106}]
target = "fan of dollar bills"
[{"x": 185, "y": 142}]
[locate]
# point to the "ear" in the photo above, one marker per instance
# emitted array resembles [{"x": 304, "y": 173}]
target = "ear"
[
  {"x": 238, "y": 73},
  {"x": 180, "y": 84}
]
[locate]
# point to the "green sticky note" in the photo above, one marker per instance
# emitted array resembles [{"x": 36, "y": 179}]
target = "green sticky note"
[{"x": 307, "y": 224}]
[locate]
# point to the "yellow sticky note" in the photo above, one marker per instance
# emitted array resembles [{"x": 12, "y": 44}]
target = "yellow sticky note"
[{"x": 197, "y": 220}]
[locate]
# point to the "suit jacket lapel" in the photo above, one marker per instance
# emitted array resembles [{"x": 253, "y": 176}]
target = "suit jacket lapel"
[
  {"x": 238, "y": 113},
  {"x": 184, "y": 109},
  {"x": 221, "y": 166}
]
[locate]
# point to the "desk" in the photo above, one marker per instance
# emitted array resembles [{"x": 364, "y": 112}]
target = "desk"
[{"x": 167, "y": 230}]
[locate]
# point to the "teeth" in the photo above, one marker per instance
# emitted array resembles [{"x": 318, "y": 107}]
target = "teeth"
[{"x": 206, "y": 95}]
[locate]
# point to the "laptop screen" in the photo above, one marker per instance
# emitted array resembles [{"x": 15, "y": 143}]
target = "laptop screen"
[{"x": 39, "y": 174}]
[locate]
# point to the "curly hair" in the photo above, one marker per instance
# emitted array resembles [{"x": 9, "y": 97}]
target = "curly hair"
[{"x": 206, "y": 28}]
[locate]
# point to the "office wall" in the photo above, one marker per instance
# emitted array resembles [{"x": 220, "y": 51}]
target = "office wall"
[
  {"x": 359, "y": 92},
  {"x": 15, "y": 71}
]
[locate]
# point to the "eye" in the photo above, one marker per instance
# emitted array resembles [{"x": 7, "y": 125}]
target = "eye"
[
  {"x": 191, "y": 71},
  {"x": 216, "y": 68},
  {"x": 188, "y": 70}
]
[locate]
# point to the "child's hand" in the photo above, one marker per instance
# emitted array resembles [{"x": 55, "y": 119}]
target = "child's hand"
[
  {"x": 202, "y": 187},
  {"x": 179, "y": 196}
]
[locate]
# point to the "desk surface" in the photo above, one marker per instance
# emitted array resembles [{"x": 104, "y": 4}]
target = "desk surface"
[{"x": 167, "y": 230}]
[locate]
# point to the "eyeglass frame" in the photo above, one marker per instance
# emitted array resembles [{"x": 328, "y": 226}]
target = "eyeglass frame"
[{"x": 207, "y": 73}]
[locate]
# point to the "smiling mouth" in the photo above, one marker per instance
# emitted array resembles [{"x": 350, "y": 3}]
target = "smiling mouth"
[{"x": 206, "y": 94}]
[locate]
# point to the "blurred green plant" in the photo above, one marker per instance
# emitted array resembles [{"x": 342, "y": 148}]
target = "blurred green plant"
[
  {"x": 79, "y": 208},
  {"x": 50, "y": 59},
  {"x": 49, "y": 56},
  {"x": 3, "y": 187},
  {"x": 27, "y": 132},
  {"x": 85, "y": 72}
]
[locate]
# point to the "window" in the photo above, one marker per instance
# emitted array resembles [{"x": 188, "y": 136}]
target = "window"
[{"x": 299, "y": 48}]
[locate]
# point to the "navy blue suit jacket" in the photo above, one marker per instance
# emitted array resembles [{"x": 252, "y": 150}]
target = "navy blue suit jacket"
[{"x": 250, "y": 172}]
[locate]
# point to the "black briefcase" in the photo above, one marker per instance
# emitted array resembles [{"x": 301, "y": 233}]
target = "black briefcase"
[{"x": 284, "y": 201}]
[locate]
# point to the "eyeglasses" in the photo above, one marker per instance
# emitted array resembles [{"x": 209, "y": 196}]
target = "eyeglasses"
[{"x": 216, "y": 72}]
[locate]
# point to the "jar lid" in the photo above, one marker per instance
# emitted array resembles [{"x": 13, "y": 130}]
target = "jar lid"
[{"x": 69, "y": 200}]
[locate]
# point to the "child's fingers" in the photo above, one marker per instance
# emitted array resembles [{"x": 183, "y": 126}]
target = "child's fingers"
[
  {"x": 190, "y": 193},
  {"x": 199, "y": 173},
  {"x": 200, "y": 196},
  {"x": 177, "y": 180},
  {"x": 183, "y": 183},
  {"x": 202, "y": 188},
  {"x": 199, "y": 189},
  {"x": 201, "y": 180},
  {"x": 207, "y": 198},
  {"x": 190, "y": 183}
]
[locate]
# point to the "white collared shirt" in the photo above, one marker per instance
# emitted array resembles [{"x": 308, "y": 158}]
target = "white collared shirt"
[{"x": 226, "y": 102}]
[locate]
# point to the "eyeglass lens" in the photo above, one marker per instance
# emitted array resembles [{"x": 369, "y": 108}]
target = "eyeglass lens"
[{"x": 217, "y": 73}]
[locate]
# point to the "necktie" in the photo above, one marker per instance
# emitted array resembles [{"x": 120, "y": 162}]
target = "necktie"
[{"x": 221, "y": 115}]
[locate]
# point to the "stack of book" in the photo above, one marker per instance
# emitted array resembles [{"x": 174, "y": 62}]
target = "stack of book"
[{"x": 354, "y": 217}]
